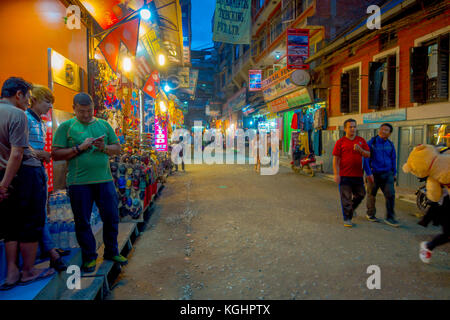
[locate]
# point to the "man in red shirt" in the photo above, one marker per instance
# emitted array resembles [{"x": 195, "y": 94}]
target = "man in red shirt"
[{"x": 348, "y": 169}]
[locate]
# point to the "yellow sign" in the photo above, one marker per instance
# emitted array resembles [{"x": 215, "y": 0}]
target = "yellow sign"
[{"x": 65, "y": 72}]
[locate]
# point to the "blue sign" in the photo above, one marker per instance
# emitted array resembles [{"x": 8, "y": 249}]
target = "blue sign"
[{"x": 385, "y": 116}]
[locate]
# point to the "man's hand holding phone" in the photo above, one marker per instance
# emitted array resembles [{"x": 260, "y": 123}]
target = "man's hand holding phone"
[{"x": 99, "y": 142}]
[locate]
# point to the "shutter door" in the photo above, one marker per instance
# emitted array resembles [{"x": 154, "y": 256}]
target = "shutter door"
[
  {"x": 392, "y": 75},
  {"x": 345, "y": 90},
  {"x": 418, "y": 62},
  {"x": 374, "y": 85},
  {"x": 354, "y": 90},
  {"x": 443, "y": 54}
]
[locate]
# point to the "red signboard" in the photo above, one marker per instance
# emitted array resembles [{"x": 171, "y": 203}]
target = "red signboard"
[
  {"x": 47, "y": 118},
  {"x": 297, "y": 48}
]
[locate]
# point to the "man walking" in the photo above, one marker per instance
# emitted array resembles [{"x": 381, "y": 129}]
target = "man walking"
[
  {"x": 22, "y": 187},
  {"x": 381, "y": 171},
  {"x": 86, "y": 143},
  {"x": 348, "y": 169}
]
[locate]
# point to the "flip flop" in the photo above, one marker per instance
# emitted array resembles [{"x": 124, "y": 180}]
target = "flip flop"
[
  {"x": 5, "y": 286},
  {"x": 43, "y": 275}
]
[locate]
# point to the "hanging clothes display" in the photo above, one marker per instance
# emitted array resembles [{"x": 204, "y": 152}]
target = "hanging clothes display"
[
  {"x": 294, "y": 122},
  {"x": 317, "y": 142}
]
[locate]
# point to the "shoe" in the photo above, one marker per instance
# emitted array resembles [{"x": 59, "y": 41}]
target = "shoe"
[
  {"x": 371, "y": 218},
  {"x": 119, "y": 259},
  {"x": 59, "y": 265},
  {"x": 425, "y": 253},
  {"x": 392, "y": 222},
  {"x": 62, "y": 252},
  {"x": 89, "y": 266},
  {"x": 348, "y": 223}
]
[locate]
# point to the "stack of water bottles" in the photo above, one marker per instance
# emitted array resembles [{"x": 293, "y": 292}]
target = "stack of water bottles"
[{"x": 61, "y": 221}]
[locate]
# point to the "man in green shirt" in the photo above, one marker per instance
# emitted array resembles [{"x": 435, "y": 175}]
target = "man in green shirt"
[{"x": 86, "y": 143}]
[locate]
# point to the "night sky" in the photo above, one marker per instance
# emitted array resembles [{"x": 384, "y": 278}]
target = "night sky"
[{"x": 202, "y": 13}]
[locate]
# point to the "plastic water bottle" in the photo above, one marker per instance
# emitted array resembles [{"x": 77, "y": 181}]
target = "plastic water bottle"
[
  {"x": 64, "y": 236},
  {"x": 73, "y": 243},
  {"x": 54, "y": 232}
]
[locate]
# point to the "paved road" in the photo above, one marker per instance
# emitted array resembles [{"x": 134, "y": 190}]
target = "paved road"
[{"x": 225, "y": 232}]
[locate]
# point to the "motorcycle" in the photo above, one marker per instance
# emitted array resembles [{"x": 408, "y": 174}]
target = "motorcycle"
[
  {"x": 421, "y": 199},
  {"x": 303, "y": 163}
]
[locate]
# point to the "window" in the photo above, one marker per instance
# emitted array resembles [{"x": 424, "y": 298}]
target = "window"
[
  {"x": 276, "y": 28},
  {"x": 350, "y": 91},
  {"x": 382, "y": 83},
  {"x": 429, "y": 71},
  {"x": 288, "y": 10},
  {"x": 306, "y": 4}
]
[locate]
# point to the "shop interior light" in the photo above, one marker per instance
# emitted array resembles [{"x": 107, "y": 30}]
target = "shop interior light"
[
  {"x": 127, "y": 64},
  {"x": 57, "y": 61},
  {"x": 251, "y": 122},
  {"x": 145, "y": 14},
  {"x": 167, "y": 88},
  {"x": 162, "y": 106},
  {"x": 161, "y": 59}
]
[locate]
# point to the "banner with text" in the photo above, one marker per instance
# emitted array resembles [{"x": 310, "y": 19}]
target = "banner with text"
[
  {"x": 297, "y": 48},
  {"x": 160, "y": 136},
  {"x": 232, "y": 21},
  {"x": 254, "y": 80}
]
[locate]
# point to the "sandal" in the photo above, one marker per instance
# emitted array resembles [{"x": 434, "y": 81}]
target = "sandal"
[
  {"x": 46, "y": 273},
  {"x": 5, "y": 286}
]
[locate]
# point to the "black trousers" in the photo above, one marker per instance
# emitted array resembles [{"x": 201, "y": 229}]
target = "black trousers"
[
  {"x": 444, "y": 221},
  {"x": 352, "y": 192}
]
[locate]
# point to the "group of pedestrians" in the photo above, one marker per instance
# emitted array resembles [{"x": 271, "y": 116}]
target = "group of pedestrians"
[
  {"x": 86, "y": 143},
  {"x": 353, "y": 156}
]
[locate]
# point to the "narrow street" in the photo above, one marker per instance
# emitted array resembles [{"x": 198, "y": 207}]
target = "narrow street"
[{"x": 225, "y": 232}]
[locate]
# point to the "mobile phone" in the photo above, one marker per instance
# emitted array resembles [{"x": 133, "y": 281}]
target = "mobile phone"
[{"x": 99, "y": 138}]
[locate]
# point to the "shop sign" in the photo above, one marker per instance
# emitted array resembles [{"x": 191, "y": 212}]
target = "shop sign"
[
  {"x": 297, "y": 47},
  {"x": 248, "y": 111},
  {"x": 160, "y": 136},
  {"x": 385, "y": 116},
  {"x": 278, "y": 84},
  {"x": 294, "y": 99},
  {"x": 149, "y": 114},
  {"x": 254, "y": 80},
  {"x": 278, "y": 104},
  {"x": 232, "y": 21},
  {"x": 64, "y": 71},
  {"x": 193, "y": 77},
  {"x": 186, "y": 43},
  {"x": 183, "y": 76}
]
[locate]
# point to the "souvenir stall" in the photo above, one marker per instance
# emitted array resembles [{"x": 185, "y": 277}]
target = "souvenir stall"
[{"x": 308, "y": 122}]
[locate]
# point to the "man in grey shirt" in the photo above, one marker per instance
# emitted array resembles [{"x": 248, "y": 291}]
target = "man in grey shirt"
[{"x": 22, "y": 187}]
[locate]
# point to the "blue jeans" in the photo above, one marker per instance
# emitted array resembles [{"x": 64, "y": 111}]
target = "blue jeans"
[
  {"x": 46, "y": 244},
  {"x": 384, "y": 181},
  {"x": 82, "y": 198}
]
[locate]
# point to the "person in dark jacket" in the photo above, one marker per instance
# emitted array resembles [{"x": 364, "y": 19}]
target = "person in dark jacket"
[
  {"x": 438, "y": 213},
  {"x": 381, "y": 172}
]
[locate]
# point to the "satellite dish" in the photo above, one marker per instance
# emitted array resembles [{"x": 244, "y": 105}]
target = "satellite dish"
[{"x": 300, "y": 77}]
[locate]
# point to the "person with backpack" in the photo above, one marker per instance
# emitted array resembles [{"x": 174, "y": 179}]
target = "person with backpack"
[{"x": 381, "y": 172}]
